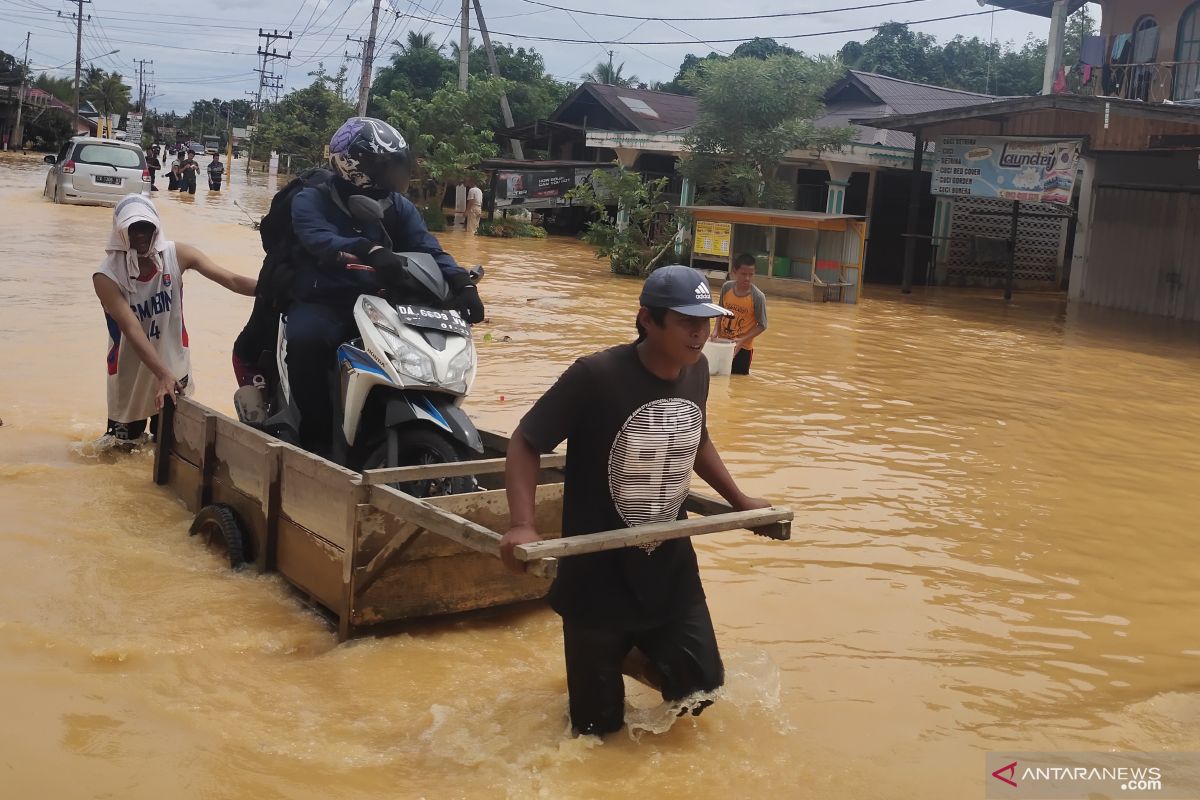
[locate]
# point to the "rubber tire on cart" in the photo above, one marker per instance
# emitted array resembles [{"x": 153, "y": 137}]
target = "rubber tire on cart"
[
  {"x": 422, "y": 446},
  {"x": 219, "y": 527}
]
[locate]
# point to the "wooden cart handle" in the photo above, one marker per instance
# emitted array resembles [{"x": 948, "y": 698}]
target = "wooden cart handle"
[{"x": 649, "y": 534}]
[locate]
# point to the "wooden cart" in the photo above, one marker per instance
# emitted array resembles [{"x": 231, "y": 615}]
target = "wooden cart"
[{"x": 369, "y": 553}]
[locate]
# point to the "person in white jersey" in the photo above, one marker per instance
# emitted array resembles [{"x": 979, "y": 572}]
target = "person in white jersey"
[{"x": 140, "y": 286}]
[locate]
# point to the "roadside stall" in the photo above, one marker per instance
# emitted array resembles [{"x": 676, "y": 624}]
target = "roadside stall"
[{"x": 802, "y": 254}]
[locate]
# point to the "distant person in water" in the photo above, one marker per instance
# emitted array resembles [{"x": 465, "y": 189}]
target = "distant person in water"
[
  {"x": 140, "y": 286},
  {"x": 154, "y": 165},
  {"x": 748, "y": 306},
  {"x": 190, "y": 168},
  {"x": 215, "y": 171}
]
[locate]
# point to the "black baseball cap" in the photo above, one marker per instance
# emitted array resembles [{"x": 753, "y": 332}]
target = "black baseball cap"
[{"x": 681, "y": 289}]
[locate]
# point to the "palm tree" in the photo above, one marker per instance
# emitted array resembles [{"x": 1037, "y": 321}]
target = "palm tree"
[
  {"x": 603, "y": 72},
  {"x": 454, "y": 49},
  {"x": 107, "y": 91},
  {"x": 418, "y": 41}
]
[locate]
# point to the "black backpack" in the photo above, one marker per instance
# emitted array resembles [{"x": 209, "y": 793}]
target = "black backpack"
[
  {"x": 256, "y": 343},
  {"x": 278, "y": 272}
]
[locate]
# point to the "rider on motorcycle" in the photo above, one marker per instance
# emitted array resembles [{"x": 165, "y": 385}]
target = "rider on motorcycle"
[{"x": 349, "y": 230}]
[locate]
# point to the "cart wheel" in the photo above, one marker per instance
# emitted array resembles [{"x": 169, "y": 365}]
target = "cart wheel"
[{"x": 218, "y": 526}]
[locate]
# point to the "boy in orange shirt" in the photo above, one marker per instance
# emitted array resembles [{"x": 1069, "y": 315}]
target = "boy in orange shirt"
[{"x": 749, "y": 307}]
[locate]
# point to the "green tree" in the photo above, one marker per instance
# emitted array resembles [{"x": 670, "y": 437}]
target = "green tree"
[
  {"x": 752, "y": 113},
  {"x": 417, "y": 41},
  {"x": 691, "y": 63},
  {"x": 448, "y": 133},
  {"x": 417, "y": 71},
  {"x": 106, "y": 91},
  {"x": 631, "y": 245},
  {"x": 761, "y": 49},
  {"x": 604, "y": 73},
  {"x": 534, "y": 94},
  {"x": 898, "y": 52},
  {"x": 61, "y": 88},
  {"x": 301, "y": 123}
]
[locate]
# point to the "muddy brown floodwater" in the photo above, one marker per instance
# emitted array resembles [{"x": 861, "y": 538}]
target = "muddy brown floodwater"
[{"x": 996, "y": 546}]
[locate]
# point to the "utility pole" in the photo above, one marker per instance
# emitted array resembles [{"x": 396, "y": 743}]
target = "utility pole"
[
  {"x": 16, "y": 131},
  {"x": 78, "y": 55},
  {"x": 464, "y": 47},
  {"x": 610, "y": 72},
  {"x": 364, "y": 83},
  {"x": 505, "y": 110},
  {"x": 264, "y": 75},
  {"x": 141, "y": 64},
  {"x": 268, "y": 52}
]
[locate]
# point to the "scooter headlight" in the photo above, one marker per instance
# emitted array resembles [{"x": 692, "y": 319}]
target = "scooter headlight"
[
  {"x": 460, "y": 367},
  {"x": 407, "y": 359},
  {"x": 411, "y": 361}
]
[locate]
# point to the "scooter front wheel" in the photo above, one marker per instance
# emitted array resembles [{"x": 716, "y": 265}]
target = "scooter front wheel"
[{"x": 421, "y": 445}]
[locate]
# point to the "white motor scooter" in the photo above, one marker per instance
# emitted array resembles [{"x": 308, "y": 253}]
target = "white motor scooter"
[{"x": 401, "y": 385}]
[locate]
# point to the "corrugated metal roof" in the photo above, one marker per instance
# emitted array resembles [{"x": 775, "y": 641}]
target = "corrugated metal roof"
[
  {"x": 867, "y": 94},
  {"x": 667, "y": 112}
]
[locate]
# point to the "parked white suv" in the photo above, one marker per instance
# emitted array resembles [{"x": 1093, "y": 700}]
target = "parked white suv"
[{"x": 96, "y": 172}]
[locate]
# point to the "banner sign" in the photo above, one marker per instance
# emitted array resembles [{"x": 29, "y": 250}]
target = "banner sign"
[
  {"x": 712, "y": 238},
  {"x": 1032, "y": 170},
  {"x": 133, "y": 129},
  {"x": 534, "y": 185}
]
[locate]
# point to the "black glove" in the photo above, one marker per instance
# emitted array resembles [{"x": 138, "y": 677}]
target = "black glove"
[
  {"x": 469, "y": 304},
  {"x": 385, "y": 261}
]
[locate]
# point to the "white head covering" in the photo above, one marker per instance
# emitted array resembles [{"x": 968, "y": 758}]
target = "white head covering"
[{"x": 121, "y": 258}]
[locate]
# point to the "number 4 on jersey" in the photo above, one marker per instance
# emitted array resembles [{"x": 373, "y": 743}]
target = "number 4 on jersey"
[{"x": 153, "y": 334}]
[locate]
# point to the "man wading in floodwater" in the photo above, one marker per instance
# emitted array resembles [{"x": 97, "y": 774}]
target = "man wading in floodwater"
[
  {"x": 140, "y": 285},
  {"x": 633, "y": 418}
]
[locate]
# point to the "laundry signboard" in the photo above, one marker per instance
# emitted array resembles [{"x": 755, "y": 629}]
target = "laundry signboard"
[
  {"x": 1033, "y": 170},
  {"x": 712, "y": 238}
]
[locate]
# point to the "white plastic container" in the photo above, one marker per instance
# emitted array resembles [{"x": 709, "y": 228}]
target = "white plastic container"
[{"x": 719, "y": 353}]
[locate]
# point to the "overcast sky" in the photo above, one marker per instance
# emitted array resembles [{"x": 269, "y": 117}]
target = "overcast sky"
[{"x": 207, "y": 49}]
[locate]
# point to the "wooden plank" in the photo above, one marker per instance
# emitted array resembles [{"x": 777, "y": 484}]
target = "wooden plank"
[
  {"x": 353, "y": 502},
  {"x": 490, "y": 509},
  {"x": 313, "y": 492},
  {"x": 648, "y": 534},
  {"x": 707, "y": 505},
  {"x": 444, "y": 523},
  {"x": 429, "y": 587},
  {"x": 183, "y": 478},
  {"x": 163, "y": 442},
  {"x": 188, "y": 422},
  {"x": 391, "y": 550},
  {"x": 452, "y": 469},
  {"x": 309, "y": 563},
  {"x": 270, "y": 491},
  {"x": 240, "y": 451},
  {"x": 208, "y": 458}
]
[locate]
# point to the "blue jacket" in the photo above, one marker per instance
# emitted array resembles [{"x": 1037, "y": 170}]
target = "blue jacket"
[{"x": 324, "y": 230}]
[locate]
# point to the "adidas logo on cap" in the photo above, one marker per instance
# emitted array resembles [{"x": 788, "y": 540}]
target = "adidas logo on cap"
[{"x": 703, "y": 293}]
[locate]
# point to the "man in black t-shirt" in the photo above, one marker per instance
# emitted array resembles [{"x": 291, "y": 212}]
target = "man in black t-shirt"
[{"x": 634, "y": 420}]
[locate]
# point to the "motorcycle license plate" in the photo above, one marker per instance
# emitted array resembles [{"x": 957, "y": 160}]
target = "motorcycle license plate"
[
  {"x": 109, "y": 179},
  {"x": 438, "y": 320}
]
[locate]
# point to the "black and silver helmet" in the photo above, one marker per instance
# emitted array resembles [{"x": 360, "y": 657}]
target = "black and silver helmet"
[{"x": 370, "y": 154}]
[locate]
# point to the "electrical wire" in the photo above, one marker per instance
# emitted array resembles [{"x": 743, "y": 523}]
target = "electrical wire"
[
  {"x": 727, "y": 19},
  {"x": 740, "y": 39}
]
